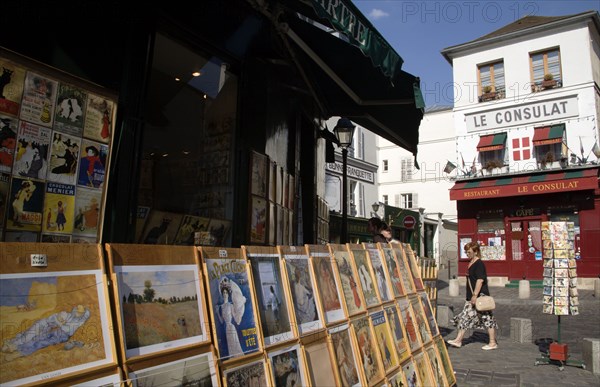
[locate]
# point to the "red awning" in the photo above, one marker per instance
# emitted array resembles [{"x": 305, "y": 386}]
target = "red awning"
[
  {"x": 548, "y": 135},
  {"x": 551, "y": 182},
  {"x": 491, "y": 142}
]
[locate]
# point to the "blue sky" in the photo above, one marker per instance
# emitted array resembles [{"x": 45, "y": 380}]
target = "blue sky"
[{"x": 419, "y": 30}]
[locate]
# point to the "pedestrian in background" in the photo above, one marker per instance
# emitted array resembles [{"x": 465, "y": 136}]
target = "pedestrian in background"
[{"x": 375, "y": 226}]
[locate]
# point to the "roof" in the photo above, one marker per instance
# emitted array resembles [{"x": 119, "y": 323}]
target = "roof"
[{"x": 523, "y": 26}]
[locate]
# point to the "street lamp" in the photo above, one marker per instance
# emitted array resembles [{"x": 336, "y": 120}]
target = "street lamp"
[{"x": 344, "y": 131}]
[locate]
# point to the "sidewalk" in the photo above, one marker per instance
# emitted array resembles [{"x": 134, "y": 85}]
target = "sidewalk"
[{"x": 513, "y": 364}]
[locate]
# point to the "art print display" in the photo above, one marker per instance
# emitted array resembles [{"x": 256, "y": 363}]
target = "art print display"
[
  {"x": 409, "y": 371},
  {"x": 365, "y": 274},
  {"x": 398, "y": 380},
  {"x": 12, "y": 79},
  {"x": 433, "y": 328},
  {"x": 190, "y": 225},
  {"x": 161, "y": 307},
  {"x": 58, "y": 321},
  {"x": 288, "y": 367},
  {"x": 64, "y": 155},
  {"x": 412, "y": 265},
  {"x": 398, "y": 334},
  {"x": 442, "y": 351},
  {"x": 39, "y": 99},
  {"x": 218, "y": 230},
  {"x": 232, "y": 307},
  {"x": 420, "y": 320},
  {"x": 381, "y": 274},
  {"x": 197, "y": 370},
  {"x": 302, "y": 288},
  {"x": 344, "y": 356},
  {"x": 70, "y": 106},
  {"x": 258, "y": 174},
  {"x": 59, "y": 208},
  {"x": 161, "y": 228},
  {"x": 258, "y": 220},
  {"x": 353, "y": 296},
  {"x": 248, "y": 375},
  {"x": 26, "y": 205},
  {"x": 8, "y": 142},
  {"x": 329, "y": 292},
  {"x": 272, "y": 303},
  {"x": 319, "y": 364},
  {"x": 436, "y": 367},
  {"x": 98, "y": 118},
  {"x": 105, "y": 381},
  {"x": 33, "y": 146},
  {"x": 405, "y": 271},
  {"x": 87, "y": 212},
  {"x": 422, "y": 365},
  {"x": 384, "y": 340},
  {"x": 92, "y": 164},
  {"x": 51, "y": 238},
  {"x": 367, "y": 347},
  {"x": 394, "y": 271},
  {"x": 410, "y": 325}
]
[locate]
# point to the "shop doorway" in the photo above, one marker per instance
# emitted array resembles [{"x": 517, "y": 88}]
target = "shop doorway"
[{"x": 524, "y": 247}]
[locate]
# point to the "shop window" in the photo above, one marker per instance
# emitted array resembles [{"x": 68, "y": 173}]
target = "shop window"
[
  {"x": 491, "y": 81},
  {"x": 492, "y": 151},
  {"x": 545, "y": 70},
  {"x": 186, "y": 175},
  {"x": 550, "y": 145},
  {"x": 491, "y": 237}
]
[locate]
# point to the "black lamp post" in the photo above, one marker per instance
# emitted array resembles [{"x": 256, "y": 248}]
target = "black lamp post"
[{"x": 344, "y": 131}]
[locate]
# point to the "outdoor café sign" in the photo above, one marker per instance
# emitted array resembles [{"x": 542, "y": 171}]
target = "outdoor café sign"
[
  {"x": 352, "y": 172},
  {"x": 524, "y": 114}
]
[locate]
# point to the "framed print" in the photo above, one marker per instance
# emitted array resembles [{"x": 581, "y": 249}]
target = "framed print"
[
  {"x": 55, "y": 317},
  {"x": 190, "y": 225},
  {"x": 59, "y": 208},
  {"x": 327, "y": 285},
  {"x": 258, "y": 175},
  {"x": 345, "y": 359},
  {"x": 353, "y": 295},
  {"x": 398, "y": 379},
  {"x": 366, "y": 276},
  {"x": 442, "y": 351},
  {"x": 420, "y": 319},
  {"x": 250, "y": 374},
  {"x": 411, "y": 260},
  {"x": 196, "y": 370},
  {"x": 218, "y": 230},
  {"x": 279, "y": 185},
  {"x": 421, "y": 362},
  {"x": 280, "y": 225},
  {"x": 114, "y": 380},
  {"x": 319, "y": 364},
  {"x": 288, "y": 367},
  {"x": 258, "y": 220},
  {"x": 430, "y": 318},
  {"x": 231, "y": 302},
  {"x": 410, "y": 372},
  {"x": 271, "y": 300},
  {"x": 70, "y": 105},
  {"x": 8, "y": 142},
  {"x": 436, "y": 366},
  {"x": 410, "y": 325},
  {"x": 384, "y": 341},
  {"x": 398, "y": 333},
  {"x": 381, "y": 275},
  {"x": 99, "y": 118},
  {"x": 161, "y": 228},
  {"x": 64, "y": 154},
  {"x": 405, "y": 271},
  {"x": 92, "y": 164},
  {"x": 300, "y": 282},
  {"x": 372, "y": 369},
  {"x": 12, "y": 91},
  {"x": 39, "y": 99},
  {"x": 394, "y": 270}
]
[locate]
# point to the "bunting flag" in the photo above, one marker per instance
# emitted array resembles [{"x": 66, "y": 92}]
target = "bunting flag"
[
  {"x": 463, "y": 160},
  {"x": 596, "y": 150},
  {"x": 449, "y": 167}
]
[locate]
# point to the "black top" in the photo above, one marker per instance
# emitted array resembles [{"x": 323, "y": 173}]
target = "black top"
[{"x": 475, "y": 272}]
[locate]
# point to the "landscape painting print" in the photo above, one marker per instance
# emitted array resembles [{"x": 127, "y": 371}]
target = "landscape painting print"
[
  {"x": 192, "y": 371},
  {"x": 160, "y": 307},
  {"x": 34, "y": 307},
  {"x": 232, "y": 305}
]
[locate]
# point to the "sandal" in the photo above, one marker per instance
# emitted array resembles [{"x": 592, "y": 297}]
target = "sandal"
[
  {"x": 488, "y": 347},
  {"x": 454, "y": 343}
]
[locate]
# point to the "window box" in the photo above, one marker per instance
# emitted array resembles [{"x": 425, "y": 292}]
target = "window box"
[{"x": 488, "y": 96}]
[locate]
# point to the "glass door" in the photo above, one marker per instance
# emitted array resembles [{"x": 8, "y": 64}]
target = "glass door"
[{"x": 525, "y": 246}]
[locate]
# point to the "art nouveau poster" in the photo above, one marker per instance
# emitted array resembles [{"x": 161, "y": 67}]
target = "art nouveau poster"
[
  {"x": 319, "y": 362},
  {"x": 59, "y": 208},
  {"x": 253, "y": 373},
  {"x": 190, "y": 225},
  {"x": 412, "y": 265},
  {"x": 301, "y": 285},
  {"x": 394, "y": 271},
  {"x": 397, "y": 380},
  {"x": 405, "y": 271},
  {"x": 12, "y": 79},
  {"x": 442, "y": 351},
  {"x": 57, "y": 321},
  {"x": 423, "y": 369},
  {"x": 99, "y": 118},
  {"x": 33, "y": 145},
  {"x": 197, "y": 370},
  {"x": 330, "y": 294},
  {"x": 353, "y": 296},
  {"x": 87, "y": 212},
  {"x": 8, "y": 141},
  {"x": 436, "y": 367},
  {"x": 232, "y": 304},
  {"x": 26, "y": 205},
  {"x": 258, "y": 174},
  {"x": 258, "y": 220},
  {"x": 384, "y": 340},
  {"x": 398, "y": 334},
  {"x": 409, "y": 371},
  {"x": 420, "y": 319},
  {"x": 410, "y": 325},
  {"x": 365, "y": 274},
  {"x": 347, "y": 364},
  {"x": 381, "y": 275},
  {"x": 433, "y": 328},
  {"x": 64, "y": 154},
  {"x": 92, "y": 164},
  {"x": 161, "y": 307},
  {"x": 39, "y": 99},
  {"x": 372, "y": 368},
  {"x": 70, "y": 106},
  {"x": 161, "y": 228},
  {"x": 288, "y": 367},
  {"x": 270, "y": 297}
]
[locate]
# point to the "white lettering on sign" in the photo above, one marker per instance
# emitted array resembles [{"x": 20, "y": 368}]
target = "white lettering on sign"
[
  {"x": 39, "y": 260},
  {"x": 523, "y": 114},
  {"x": 353, "y": 172}
]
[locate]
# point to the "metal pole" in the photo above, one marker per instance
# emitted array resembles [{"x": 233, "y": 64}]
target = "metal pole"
[{"x": 344, "y": 233}]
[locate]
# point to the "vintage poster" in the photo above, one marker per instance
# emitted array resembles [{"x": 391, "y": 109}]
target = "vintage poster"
[
  {"x": 92, "y": 164},
  {"x": 64, "y": 154},
  {"x": 59, "y": 208},
  {"x": 98, "y": 118},
  {"x": 381, "y": 275},
  {"x": 70, "y": 106},
  {"x": 399, "y": 380},
  {"x": 302, "y": 288},
  {"x": 161, "y": 307},
  {"x": 251, "y": 374},
  {"x": 408, "y": 369},
  {"x": 87, "y": 212},
  {"x": 422, "y": 365},
  {"x": 320, "y": 367},
  {"x": 287, "y": 367},
  {"x": 258, "y": 220},
  {"x": 197, "y": 370},
  {"x": 272, "y": 304},
  {"x": 12, "y": 79},
  {"x": 442, "y": 351},
  {"x": 344, "y": 356},
  {"x": 420, "y": 320},
  {"x": 397, "y": 333},
  {"x": 26, "y": 205},
  {"x": 405, "y": 274},
  {"x": 394, "y": 271},
  {"x": 56, "y": 320},
  {"x": 384, "y": 341},
  {"x": 410, "y": 325},
  {"x": 258, "y": 176},
  {"x": 39, "y": 99},
  {"x": 161, "y": 228},
  {"x": 4, "y": 189},
  {"x": 232, "y": 305},
  {"x": 190, "y": 225},
  {"x": 433, "y": 328},
  {"x": 218, "y": 230},
  {"x": 352, "y": 292},
  {"x": 328, "y": 289},
  {"x": 412, "y": 265},
  {"x": 33, "y": 145},
  {"x": 365, "y": 274},
  {"x": 367, "y": 347},
  {"x": 8, "y": 142},
  {"x": 436, "y": 367}
]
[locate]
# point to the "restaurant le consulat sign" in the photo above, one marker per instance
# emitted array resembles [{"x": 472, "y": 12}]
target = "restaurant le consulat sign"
[{"x": 524, "y": 114}]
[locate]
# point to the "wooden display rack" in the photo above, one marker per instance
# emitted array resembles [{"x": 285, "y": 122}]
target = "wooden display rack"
[{"x": 429, "y": 274}]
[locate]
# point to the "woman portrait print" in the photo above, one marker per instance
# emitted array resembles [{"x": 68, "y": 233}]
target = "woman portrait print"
[
  {"x": 303, "y": 299},
  {"x": 327, "y": 286},
  {"x": 230, "y": 311}
]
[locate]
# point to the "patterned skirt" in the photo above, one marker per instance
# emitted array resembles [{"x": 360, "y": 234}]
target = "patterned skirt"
[{"x": 470, "y": 318}]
